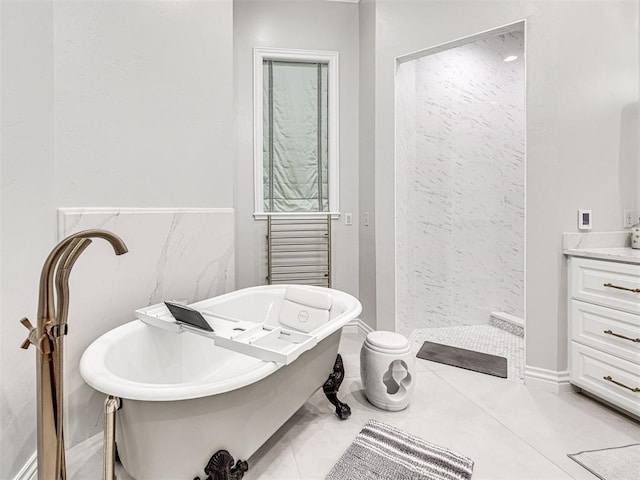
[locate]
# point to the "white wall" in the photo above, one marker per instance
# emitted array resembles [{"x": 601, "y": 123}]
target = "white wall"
[
  {"x": 312, "y": 25},
  {"x": 367, "y": 244},
  {"x": 582, "y": 72},
  {"x": 105, "y": 104},
  {"x": 142, "y": 93},
  {"x": 460, "y": 184},
  {"x": 28, "y": 216}
]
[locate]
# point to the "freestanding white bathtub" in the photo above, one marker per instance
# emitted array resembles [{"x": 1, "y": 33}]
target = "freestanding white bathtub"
[{"x": 184, "y": 398}]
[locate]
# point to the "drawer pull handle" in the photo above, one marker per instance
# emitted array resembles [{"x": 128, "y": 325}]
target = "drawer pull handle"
[
  {"x": 609, "y": 332},
  {"x": 634, "y": 290},
  {"x": 608, "y": 378}
]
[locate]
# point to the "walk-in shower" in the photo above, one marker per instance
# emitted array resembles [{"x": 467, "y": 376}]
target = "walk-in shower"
[{"x": 460, "y": 186}]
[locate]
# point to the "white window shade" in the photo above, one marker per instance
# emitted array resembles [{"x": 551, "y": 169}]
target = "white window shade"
[{"x": 295, "y": 132}]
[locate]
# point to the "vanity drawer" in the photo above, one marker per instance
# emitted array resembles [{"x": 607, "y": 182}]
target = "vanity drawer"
[
  {"x": 596, "y": 372},
  {"x": 595, "y": 281},
  {"x": 604, "y": 328}
]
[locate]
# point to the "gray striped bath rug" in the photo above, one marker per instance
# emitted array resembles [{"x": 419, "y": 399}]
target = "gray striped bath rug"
[{"x": 381, "y": 451}]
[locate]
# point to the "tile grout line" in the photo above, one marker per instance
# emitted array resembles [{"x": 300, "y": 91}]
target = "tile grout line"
[
  {"x": 502, "y": 423},
  {"x": 293, "y": 453}
]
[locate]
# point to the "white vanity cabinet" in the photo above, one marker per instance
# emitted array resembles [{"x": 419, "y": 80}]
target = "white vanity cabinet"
[{"x": 604, "y": 330}]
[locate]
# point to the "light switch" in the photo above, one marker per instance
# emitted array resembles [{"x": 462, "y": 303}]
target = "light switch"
[
  {"x": 628, "y": 218},
  {"x": 348, "y": 219}
]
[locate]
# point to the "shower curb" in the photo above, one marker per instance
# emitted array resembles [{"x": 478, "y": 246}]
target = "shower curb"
[{"x": 507, "y": 322}]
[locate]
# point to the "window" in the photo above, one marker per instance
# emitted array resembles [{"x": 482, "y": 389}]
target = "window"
[{"x": 295, "y": 132}]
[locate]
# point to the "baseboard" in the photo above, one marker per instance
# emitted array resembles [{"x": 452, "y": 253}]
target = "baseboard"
[
  {"x": 357, "y": 326},
  {"x": 547, "y": 380},
  {"x": 30, "y": 469}
]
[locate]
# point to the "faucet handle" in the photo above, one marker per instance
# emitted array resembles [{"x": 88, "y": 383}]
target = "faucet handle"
[
  {"x": 32, "y": 338},
  {"x": 25, "y": 321}
]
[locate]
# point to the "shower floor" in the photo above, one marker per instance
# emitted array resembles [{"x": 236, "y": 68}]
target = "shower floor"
[{"x": 481, "y": 338}]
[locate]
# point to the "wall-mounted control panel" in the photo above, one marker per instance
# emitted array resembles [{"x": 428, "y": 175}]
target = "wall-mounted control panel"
[{"x": 584, "y": 219}]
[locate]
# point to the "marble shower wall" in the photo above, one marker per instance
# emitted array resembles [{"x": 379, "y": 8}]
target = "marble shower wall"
[
  {"x": 460, "y": 179},
  {"x": 179, "y": 254}
]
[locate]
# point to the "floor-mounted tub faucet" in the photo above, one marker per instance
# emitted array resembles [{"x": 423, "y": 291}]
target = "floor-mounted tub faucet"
[{"x": 48, "y": 338}]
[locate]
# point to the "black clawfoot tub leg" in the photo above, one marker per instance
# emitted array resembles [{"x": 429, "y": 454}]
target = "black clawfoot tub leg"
[
  {"x": 331, "y": 387},
  {"x": 221, "y": 467}
]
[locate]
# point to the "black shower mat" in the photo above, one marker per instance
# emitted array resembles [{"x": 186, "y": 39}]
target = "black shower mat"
[{"x": 462, "y": 358}]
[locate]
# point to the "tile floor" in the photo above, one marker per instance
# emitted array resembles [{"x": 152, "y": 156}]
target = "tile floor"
[{"x": 509, "y": 431}]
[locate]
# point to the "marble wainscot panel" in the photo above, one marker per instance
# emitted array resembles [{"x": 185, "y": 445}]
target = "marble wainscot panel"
[
  {"x": 174, "y": 254},
  {"x": 460, "y": 185}
]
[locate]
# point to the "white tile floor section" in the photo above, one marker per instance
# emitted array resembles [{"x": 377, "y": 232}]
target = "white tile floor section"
[
  {"x": 509, "y": 431},
  {"x": 481, "y": 338}
]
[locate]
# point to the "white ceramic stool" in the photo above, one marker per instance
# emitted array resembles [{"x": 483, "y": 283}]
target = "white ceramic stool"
[{"x": 387, "y": 370}]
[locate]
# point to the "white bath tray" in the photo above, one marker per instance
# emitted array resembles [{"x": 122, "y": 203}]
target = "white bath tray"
[
  {"x": 269, "y": 343},
  {"x": 272, "y": 344},
  {"x": 159, "y": 316}
]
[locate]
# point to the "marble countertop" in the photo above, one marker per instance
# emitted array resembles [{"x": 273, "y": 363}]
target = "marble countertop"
[
  {"x": 617, "y": 254},
  {"x": 614, "y": 246}
]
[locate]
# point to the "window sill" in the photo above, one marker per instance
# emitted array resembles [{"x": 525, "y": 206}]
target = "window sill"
[{"x": 265, "y": 215}]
